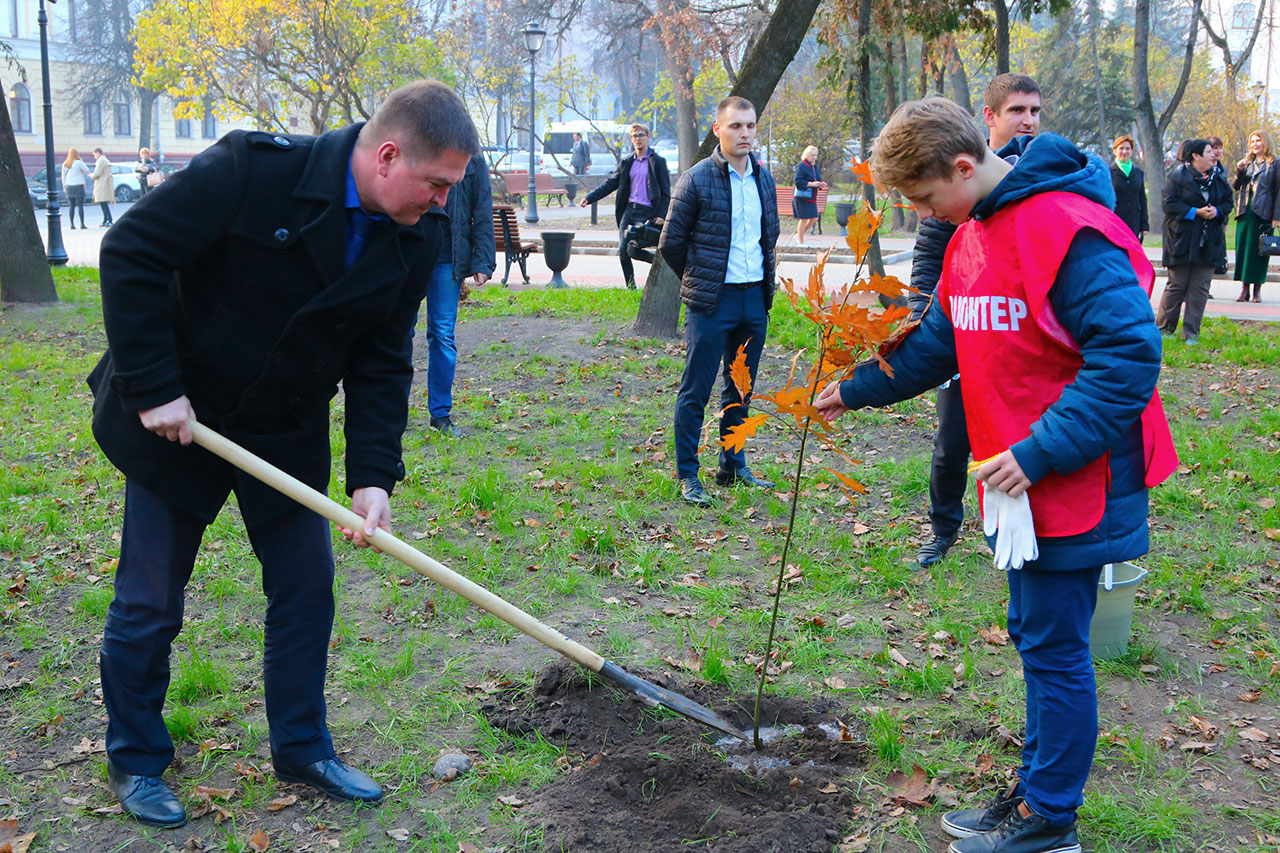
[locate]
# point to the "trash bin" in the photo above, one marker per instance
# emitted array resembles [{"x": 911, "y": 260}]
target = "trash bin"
[{"x": 1113, "y": 619}]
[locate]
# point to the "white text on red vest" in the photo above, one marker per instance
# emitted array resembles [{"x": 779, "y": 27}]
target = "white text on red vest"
[{"x": 987, "y": 313}]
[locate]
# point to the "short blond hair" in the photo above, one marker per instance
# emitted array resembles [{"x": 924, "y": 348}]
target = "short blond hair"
[
  {"x": 922, "y": 140},
  {"x": 809, "y": 150}
]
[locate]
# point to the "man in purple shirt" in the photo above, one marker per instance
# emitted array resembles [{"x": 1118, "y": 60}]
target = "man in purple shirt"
[{"x": 643, "y": 187}]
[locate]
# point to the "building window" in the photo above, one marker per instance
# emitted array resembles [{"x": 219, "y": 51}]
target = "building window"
[
  {"x": 209, "y": 124},
  {"x": 20, "y": 108},
  {"x": 93, "y": 118},
  {"x": 9, "y": 18},
  {"x": 181, "y": 127},
  {"x": 123, "y": 111}
]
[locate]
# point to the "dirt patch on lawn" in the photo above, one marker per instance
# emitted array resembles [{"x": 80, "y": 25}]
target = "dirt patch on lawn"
[{"x": 643, "y": 781}]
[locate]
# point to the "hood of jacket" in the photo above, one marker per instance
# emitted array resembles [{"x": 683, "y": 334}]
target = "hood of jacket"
[{"x": 1048, "y": 163}]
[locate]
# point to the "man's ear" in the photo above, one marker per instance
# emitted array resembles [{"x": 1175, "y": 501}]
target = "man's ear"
[{"x": 988, "y": 116}]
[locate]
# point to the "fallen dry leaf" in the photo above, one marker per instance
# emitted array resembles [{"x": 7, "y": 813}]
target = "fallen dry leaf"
[
  {"x": 11, "y": 841},
  {"x": 829, "y": 788},
  {"x": 995, "y": 635},
  {"x": 1271, "y": 533},
  {"x": 398, "y": 834},
  {"x": 89, "y": 747},
  {"x": 204, "y": 792},
  {"x": 1254, "y": 734},
  {"x": 835, "y": 682},
  {"x": 912, "y": 790},
  {"x": 1196, "y": 746},
  {"x": 512, "y": 800},
  {"x": 260, "y": 842},
  {"x": 854, "y": 844},
  {"x": 282, "y": 802},
  {"x": 899, "y": 658}
]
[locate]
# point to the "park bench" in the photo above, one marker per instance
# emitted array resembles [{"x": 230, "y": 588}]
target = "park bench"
[
  {"x": 785, "y": 194},
  {"x": 506, "y": 237},
  {"x": 517, "y": 186}
]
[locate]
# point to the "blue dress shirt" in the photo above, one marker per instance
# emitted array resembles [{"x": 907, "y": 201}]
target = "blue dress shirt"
[
  {"x": 746, "y": 257},
  {"x": 359, "y": 222}
]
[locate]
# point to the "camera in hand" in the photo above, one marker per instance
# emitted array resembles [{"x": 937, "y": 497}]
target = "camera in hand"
[{"x": 641, "y": 238}]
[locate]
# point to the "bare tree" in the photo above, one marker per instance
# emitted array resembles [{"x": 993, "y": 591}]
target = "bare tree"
[
  {"x": 1234, "y": 64},
  {"x": 102, "y": 59}
]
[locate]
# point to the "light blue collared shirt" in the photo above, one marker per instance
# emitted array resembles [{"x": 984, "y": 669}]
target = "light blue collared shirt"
[{"x": 746, "y": 257}]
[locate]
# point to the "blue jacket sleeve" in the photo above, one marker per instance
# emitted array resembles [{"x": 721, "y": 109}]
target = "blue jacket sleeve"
[
  {"x": 924, "y": 359},
  {"x": 1097, "y": 299}
]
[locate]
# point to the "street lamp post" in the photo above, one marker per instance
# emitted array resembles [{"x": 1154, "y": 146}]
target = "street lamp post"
[
  {"x": 533, "y": 37},
  {"x": 57, "y": 254}
]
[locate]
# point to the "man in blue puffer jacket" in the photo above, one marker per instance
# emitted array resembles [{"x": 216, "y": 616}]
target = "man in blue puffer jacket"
[
  {"x": 1044, "y": 308},
  {"x": 719, "y": 238}
]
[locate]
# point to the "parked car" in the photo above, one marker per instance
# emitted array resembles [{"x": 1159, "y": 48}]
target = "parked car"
[
  {"x": 126, "y": 181},
  {"x": 38, "y": 193}
]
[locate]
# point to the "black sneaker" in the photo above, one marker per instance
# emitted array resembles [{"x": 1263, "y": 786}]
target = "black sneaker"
[
  {"x": 969, "y": 822},
  {"x": 1023, "y": 831},
  {"x": 727, "y": 477},
  {"x": 935, "y": 550},
  {"x": 446, "y": 428}
]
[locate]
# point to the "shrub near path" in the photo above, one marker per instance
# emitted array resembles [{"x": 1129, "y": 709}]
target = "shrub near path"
[{"x": 564, "y": 503}]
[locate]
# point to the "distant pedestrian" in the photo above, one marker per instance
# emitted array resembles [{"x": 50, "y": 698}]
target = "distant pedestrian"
[
  {"x": 1256, "y": 186},
  {"x": 104, "y": 185},
  {"x": 804, "y": 202},
  {"x": 643, "y": 186},
  {"x": 145, "y": 169},
  {"x": 75, "y": 177},
  {"x": 1130, "y": 186},
  {"x": 1196, "y": 205},
  {"x": 468, "y": 253},
  {"x": 580, "y": 159}
]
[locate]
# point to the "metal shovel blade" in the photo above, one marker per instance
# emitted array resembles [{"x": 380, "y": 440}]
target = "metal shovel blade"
[{"x": 655, "y": 696}]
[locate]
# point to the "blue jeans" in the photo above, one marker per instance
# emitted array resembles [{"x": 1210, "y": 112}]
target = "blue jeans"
[
  {"x": 712, "y": 342},
  {"x": 1049, "y": 617},
  {"x": 442, "y": 352},
  {"x": 157, "y": 551}
]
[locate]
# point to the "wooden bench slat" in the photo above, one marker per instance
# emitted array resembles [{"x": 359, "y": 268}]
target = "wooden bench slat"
[{"x": 506, "y": 237}]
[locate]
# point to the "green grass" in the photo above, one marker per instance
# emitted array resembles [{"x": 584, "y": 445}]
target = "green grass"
[{"x": 563, "y": 502}]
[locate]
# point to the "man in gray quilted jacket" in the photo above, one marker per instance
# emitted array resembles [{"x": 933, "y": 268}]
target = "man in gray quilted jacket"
[{"x": 719, "y": 238}]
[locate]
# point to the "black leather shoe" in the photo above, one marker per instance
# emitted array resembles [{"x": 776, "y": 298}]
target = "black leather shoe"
[
  {"x": 147, "y": 799},
  {"x": 966, "y": 823},
  {"x": 691, "y": 492},
  {"x": 725, "y": 477},
  {"x": 334, "y": 778},
  {"x": 935, "y": 550},
  {"x": 445, "y": 427}
]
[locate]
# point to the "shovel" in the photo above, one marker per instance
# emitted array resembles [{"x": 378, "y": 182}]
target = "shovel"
[{"x": 650, "y": 693}]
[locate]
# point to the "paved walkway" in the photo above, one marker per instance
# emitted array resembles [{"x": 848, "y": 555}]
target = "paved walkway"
[{"x": 594, "y": 263}]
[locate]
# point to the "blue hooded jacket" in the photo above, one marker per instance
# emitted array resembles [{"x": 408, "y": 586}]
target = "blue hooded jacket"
[{"x": 1097, "y": 299}]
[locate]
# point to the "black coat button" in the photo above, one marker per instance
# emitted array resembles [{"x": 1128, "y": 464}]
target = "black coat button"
[
  {"x": 282, "y": 235},
  {"x": 400, "y": 470}
]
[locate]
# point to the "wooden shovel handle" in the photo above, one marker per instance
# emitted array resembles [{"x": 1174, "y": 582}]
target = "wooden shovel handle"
[{"x": 389, "y": 544}]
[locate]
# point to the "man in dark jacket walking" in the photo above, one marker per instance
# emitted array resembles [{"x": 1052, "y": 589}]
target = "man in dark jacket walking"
[
  {"x": 1011, "y": 108},
  {"x": 469, "y": 252},
  {"x": 643, "y": 187},
  {"x": 243, "y": 291},
  {"x": 719, "y": 238}
]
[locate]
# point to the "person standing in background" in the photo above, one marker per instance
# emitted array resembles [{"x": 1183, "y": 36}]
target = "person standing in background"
[
  {"x": 643, "y": 186},
  {"x": 145, "y": 168},
  {"x": 469, "y": 251},
  {"x": 75, "y": 177},
  {"x": 1252, "y": 172},
  {"x": 1130, "y": 187},
  {"x": 808, "y": 180},
  {"x": 104, "y": 185},
  {"x": 580, "y": 159}
]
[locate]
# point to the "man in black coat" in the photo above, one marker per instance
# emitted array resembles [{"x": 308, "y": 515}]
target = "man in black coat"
[
  {"x": 243, "y": 291},
  {"x": 719, "y": 238},
  {"x": 643, "y": 187}
]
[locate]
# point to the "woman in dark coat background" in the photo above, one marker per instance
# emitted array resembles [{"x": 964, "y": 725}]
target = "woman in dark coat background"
[
  {"x": 1131, "y": 187},
  {"x": 805, "y": 210},
  {"x": 1196, "y": 205},
  {"x": 1251, "y": 173}
]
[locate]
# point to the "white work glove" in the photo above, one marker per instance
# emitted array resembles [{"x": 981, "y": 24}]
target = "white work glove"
[{"x": 1009, "y": 520}]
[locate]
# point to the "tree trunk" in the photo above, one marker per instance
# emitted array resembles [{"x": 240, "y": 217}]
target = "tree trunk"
[
  {"x": 761, "y": 69},
  {"x": 146, "y": 133},
  {"x": 686, "y": 114},
  {"x": 897, "y": 219},
  {"x": 1095, "y": 16},
  {"x": 24, "y": 269},
  {"x": 1002, "y": 36},
  {"x": 1150, "y": 129},
  {"x": 875, "y": 260},
  {"x": 959, "y": 78},
  {"x": 903, "y": 75}
]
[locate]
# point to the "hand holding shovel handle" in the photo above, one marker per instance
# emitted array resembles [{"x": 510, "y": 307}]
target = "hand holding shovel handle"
[{"x": 446, "y": 577}]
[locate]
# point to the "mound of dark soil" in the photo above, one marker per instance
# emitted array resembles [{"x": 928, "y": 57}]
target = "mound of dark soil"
[{"x": 640, "y": 780}]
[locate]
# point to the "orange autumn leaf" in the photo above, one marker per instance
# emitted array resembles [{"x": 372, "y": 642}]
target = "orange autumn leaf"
[
  {"x": 848, "y": 482},
  {"x": 736, "y": 440},
  {"x": 739, "y": 373},
  {"x": 862, "y": 229},
  {"x": 862, "y": 170}
]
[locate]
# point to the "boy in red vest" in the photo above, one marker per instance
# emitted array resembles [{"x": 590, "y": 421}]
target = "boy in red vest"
[{"x": 1043, "y": 307}]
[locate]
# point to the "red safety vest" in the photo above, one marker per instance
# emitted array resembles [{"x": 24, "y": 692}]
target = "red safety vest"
[{"x": 1015, "y": 357}]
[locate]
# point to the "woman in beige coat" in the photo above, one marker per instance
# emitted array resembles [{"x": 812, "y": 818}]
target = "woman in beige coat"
[{"x": 104, "y": 185}]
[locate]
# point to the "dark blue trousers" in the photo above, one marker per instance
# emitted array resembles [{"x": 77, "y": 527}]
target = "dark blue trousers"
[
  {"x": 712, "y": 342},
  {"x": 157, "y": 552},
  {"x": 949, "y": 471},
  {"x": 1049, "y": 616}
]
